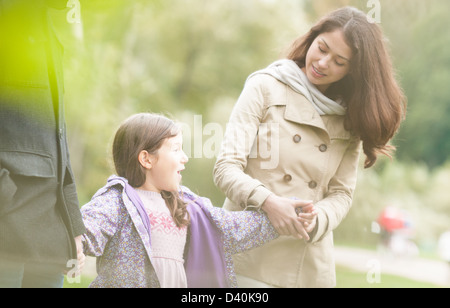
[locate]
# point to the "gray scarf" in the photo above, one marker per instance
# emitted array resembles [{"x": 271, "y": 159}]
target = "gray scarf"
[{"x": 288, "y": 72}]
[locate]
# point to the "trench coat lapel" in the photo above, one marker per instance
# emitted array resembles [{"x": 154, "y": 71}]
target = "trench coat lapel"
[{"x": 301, "y": 111}]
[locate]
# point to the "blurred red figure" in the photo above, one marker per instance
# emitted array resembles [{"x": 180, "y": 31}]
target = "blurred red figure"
[{"x": 397, "y": 231}]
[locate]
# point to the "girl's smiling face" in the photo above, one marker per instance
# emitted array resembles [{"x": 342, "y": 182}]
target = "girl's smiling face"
[
  {"x": 164, "y": 168},
  {"x": 328, "y": 59}
]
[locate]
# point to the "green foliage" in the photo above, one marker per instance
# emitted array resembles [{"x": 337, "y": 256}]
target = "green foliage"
[
  {"x": 420, "y": 45},
  {"x": 413, "y": 188},
  {"x": 180, "y": 58},
  {"x": 81, "y": 282}
]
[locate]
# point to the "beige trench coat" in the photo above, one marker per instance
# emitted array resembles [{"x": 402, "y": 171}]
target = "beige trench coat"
[{"x": 276, "y": 142}]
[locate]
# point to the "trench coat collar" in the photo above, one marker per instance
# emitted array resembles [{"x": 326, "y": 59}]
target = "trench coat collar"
[{"x": 301, "y": 111}]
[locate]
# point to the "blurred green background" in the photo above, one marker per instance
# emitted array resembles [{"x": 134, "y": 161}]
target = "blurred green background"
[{"x": 187, "y": 58}]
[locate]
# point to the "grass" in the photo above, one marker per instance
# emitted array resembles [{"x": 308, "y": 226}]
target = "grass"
[
  {"x": 83, "y": 283},
  {"x": 348, "y": 278}
]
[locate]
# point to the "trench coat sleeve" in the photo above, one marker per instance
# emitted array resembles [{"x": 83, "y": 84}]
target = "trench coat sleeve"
[
  {"x": 240, "y": 135},
  {"x": 336, "y": 204},
  {"x": 102, "y": 218}
]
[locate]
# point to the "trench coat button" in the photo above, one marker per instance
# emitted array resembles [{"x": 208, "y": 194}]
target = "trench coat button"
[
  {"x": 312, "y": 184},
  {"x": 287, "y": 178},
  {"x": 323, "y": 147},
  {"x": 297, "y": 138}
]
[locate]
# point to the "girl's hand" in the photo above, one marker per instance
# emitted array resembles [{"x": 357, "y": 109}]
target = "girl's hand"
[
  {"x": 79, "y": 264},
  {"x": 81, "y": 258},
  {"x": 308, "y": 219}
]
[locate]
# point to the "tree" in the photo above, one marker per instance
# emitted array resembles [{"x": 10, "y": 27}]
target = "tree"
[{"x": 421, "y": 52}]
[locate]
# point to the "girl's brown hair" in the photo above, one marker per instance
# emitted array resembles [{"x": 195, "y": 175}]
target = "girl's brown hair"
[
  {"x": 146, "y": 132},
  {"x": 375, "y": 102}
]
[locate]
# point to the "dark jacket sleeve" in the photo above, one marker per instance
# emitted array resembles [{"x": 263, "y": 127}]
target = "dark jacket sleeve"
[
  {"x": 7, "y": 188},
  {"x": 73, "y": 209}
]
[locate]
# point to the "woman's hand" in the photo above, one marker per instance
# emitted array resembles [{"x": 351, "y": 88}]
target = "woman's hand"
[{"x": 283, "y": 216}]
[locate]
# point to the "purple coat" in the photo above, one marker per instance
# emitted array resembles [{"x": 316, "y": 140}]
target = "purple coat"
[{"x": 118, "y": 237}]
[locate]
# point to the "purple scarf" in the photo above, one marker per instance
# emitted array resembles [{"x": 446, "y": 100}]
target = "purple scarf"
[{"x": 204, "y": 259}]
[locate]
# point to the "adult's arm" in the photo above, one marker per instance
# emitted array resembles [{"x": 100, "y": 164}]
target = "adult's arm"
[
  {"x": 334, "y": 207},
  {"x": 229, "y": 175}
]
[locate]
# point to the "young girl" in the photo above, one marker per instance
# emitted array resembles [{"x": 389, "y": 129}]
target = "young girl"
[
  {"x": 147, "y": 231},
  {"x": 334, "y": 92}
]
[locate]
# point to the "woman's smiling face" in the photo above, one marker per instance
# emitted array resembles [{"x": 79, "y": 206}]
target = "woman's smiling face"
[{"x": 328, "y": 59}]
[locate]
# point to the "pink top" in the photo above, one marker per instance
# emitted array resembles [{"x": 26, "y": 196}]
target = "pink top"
[{"x": 168, "y": 241}]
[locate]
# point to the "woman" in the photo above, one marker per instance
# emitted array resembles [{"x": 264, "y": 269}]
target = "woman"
[{"x": 296, "y": 131}]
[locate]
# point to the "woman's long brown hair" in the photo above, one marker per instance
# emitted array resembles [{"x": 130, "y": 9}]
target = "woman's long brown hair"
[
  {"x": 375, "y": 102},
  {"x": 146, "y": 131}
]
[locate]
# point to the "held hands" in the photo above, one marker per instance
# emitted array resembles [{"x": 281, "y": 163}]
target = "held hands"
[
  {"x": 307, "y": 216},
  {"x": 291, "y": 217},
  {"x": 81, "y": 258},
  {"x": 78, "y": 264}
]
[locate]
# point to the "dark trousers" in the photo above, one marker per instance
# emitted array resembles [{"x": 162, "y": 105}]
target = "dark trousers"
[
  {"x": 31, "y": 227},
  {"x": 29, "y": 275}
]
